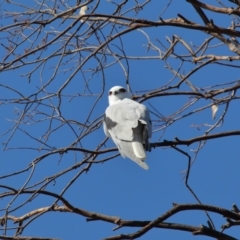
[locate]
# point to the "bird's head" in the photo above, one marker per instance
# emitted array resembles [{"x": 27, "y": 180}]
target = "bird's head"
[{"x": 117, "y": 93}]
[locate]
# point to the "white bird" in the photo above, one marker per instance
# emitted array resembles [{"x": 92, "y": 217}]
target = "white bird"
[
  {"x": 128, "y": 124},
  {"x": 214, "y": 110},
  {"x": 83, "y": 12}
]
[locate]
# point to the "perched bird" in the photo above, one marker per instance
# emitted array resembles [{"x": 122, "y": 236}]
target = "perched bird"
[
  {"x": 128, "y": 124},
  {"x": 83, "y": 12}
]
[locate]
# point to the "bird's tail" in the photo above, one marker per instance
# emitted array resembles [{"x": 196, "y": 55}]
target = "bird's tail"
[
  {"x": 126, "y": 149},
  {"x": 138, "y": 147},
  {"x": 141, "y": 163}
]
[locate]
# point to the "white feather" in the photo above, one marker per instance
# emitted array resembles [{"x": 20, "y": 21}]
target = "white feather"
[
  {"x": 83, "y": 12},
  {"x": 214, "y": 110},
  {"x": 138, "y": 148}
]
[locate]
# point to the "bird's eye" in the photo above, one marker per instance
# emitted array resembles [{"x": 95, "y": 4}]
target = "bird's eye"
[
  {"x": 122, "y": 90},
  {"x": 110, "y": 93}
]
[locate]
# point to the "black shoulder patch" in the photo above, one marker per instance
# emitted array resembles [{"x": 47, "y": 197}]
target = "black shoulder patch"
[{"x": 109, "y": 123}]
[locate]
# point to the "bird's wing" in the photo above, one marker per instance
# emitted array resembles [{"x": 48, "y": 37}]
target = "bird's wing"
[
  {"x": 105, "y": 127},
  {"x": 120, "y": 118},
  {"x": 147, "y": 126}
]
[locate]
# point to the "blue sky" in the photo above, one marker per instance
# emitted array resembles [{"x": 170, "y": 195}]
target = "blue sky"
[{"x": 119, "y": 187}]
